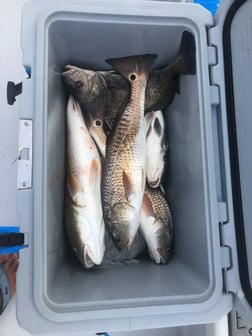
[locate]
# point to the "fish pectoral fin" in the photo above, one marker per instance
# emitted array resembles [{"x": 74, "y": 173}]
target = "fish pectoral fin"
[
  {"x": 147, "y": 206},
  {"x": 128, "y": 186},
  {"x": 94, "y": 174},
  {"x": 74, "y": 189}
]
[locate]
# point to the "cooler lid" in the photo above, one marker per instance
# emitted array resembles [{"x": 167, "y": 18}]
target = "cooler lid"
[{"x": 234, "y": 25}]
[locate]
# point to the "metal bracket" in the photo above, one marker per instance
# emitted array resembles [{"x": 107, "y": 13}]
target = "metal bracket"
[{"x": 24, "y": 180}]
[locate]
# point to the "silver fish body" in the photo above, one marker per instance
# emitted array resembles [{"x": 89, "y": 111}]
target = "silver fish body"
[
  {"x": 124, "y": 170},
  {"x": 157, "y": 225},
  {"x": 156, "y": 147},
  {"x": 84, "y": 217}
]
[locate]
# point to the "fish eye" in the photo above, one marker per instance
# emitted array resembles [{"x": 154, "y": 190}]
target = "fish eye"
[
  {"x": 78, "y": 84},
  {"x": 133, "y": 77},
  {"x": 98, "y": 122}
]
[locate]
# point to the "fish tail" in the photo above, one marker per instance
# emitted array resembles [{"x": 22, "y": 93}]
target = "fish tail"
[
  {"x": 187, "y": 57},
  {"x": 138, "y": 65}
]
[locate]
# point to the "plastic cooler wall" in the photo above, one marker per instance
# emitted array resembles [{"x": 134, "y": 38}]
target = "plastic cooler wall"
[
  {"x": 87, "y": 42},
  {"x": 191, "y": 282}
]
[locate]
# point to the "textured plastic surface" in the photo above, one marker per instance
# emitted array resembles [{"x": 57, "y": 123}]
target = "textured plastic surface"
[
  {"x": 241, "y": 39},
  {"x": 233, "y": 23},
  {"x": 64, "y": 297}
]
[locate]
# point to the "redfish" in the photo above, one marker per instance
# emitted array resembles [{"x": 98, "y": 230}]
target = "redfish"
[
  {"x": 157, "y": 225},
  {"x": 124, "y": 170},
  {"x": 84, "y": 217}
]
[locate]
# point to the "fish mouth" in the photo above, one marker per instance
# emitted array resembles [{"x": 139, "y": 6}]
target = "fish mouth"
[
  {"x": 164, "y": 255},
  {"x": 91, "y": 259},
  {"x": 160, "y": 255},
  {"x": 122, "y": 244},
  {"x": 154, "y": 183},
  {"x": 68, "y": 69},
  {"x": 86, "y": 258}
]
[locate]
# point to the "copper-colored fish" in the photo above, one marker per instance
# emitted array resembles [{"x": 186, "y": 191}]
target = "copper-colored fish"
[
  {"x": 124, "y": 170},
  {"x": 84, "y": 218},
  {"x": 157, "y": 225}
]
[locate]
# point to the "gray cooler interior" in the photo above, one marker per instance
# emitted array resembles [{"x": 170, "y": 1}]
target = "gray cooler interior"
[{"x": 87, "y": 40}]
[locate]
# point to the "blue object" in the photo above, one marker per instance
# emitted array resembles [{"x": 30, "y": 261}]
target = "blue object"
[
  {"x": 28, "y": 71},
  {"x": 10, "y": 249},
  {"x": 211, "y": 5}
]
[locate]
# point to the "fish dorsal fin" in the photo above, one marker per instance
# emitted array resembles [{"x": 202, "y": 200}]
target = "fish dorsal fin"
[
  {"x": 147, "y": 206},
  {"x": 74, "y": 188},
  {"x": 94, "y": 174},
  {"x": 128, "y": 186}
]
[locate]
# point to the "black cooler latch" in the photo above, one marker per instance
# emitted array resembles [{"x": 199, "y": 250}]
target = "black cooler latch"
[{"x": 13, "y": 90}]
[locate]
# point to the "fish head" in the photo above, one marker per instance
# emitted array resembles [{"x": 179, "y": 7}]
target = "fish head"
[
  {"x": 161, "y": 246},
  {"x": 123, "y": 225},
  {"x": 85, "y": 85},
  {"x": 156, "y": 148},
  {"x": 83, "y": 256},
  {"x": 87, "y": 243}
]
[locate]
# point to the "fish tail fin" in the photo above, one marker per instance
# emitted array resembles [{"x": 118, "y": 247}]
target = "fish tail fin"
[
  {"x": 133, "y": 65},
  {"x": 187, "y": 57}
]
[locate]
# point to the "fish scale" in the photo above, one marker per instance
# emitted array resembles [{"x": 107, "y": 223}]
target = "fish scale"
[
  {"x": 124, "y": 170},
  {"x": 157, "y": 224}
]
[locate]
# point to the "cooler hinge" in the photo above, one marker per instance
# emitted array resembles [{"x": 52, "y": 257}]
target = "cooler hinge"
[
  {"x": 214, "y": 70},
  {"x": 24, "y": 180},
  {"x": 214, "y": 89},
  {"x": 226, "y": 259},
  {"x": 222, "y": 212},
  {"x": 227, "y": 250},
  {"x": 226, "y": 256}
]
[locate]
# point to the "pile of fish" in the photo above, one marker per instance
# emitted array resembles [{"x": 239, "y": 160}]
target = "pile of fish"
[{"x": 116, "y": 147}]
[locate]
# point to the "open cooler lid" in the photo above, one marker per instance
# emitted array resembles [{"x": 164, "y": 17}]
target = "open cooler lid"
[{"x": 233, "y": 37}]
